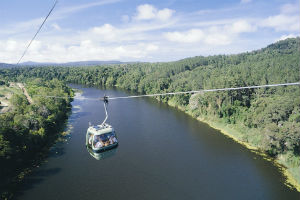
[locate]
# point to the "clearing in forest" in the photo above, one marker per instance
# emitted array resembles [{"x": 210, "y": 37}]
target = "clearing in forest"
[{"x": 6, "y": 92}]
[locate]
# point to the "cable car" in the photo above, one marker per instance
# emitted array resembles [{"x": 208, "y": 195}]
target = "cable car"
[{"x": 101, "y": 137}]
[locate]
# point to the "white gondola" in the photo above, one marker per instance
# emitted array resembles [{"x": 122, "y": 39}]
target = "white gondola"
[{"x": 101, "y": 137}]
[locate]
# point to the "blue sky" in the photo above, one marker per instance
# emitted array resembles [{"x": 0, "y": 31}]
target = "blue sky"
[{"x": 139, "y": 30}]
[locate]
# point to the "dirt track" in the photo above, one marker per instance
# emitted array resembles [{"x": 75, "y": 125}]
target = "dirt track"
[{"x": 21, "y": 86}]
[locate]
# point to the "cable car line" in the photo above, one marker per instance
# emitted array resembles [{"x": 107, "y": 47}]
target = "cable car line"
[
  {"x": 106, "y": 98},
  {"x": 37, "y": 32},
  {"x": 57, "y": 97},
  {"x": 207, "y": 90}
]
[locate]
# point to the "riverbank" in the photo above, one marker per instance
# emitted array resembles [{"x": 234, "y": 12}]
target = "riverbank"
[
  {"x": 15, "y": 180},
  {"x": 29, "y": 130},
  {"x": 290, "y": 172},
  {"x": 283, "y": 166}
]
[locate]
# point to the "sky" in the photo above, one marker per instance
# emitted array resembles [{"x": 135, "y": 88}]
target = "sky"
[{"x": 138, "y": 30}]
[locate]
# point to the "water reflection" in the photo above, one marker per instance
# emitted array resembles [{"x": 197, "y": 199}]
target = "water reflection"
[{"x": 102, "y": 155}]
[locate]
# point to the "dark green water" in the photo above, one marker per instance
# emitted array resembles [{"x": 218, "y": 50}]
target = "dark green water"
[{"x": 162, "y": 154}]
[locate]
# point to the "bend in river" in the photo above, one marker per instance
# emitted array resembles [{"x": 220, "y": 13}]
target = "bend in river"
[{"x": 163, "y": 154}]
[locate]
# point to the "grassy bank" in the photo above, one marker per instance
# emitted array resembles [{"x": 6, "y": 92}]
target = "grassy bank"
[
  {"x": 288, "y": 163},
  {"x": 282, "y": 161}
]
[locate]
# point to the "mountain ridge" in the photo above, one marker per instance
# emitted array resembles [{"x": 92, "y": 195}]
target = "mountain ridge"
[{"x": 281, "y": 45}]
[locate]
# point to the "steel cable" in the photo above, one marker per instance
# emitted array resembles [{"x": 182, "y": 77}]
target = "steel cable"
[
  {"x": 37, "y": 32},
  {"x": 175, "y": 93}
]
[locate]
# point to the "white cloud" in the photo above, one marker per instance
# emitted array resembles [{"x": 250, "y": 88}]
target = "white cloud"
[
  {"x": 283, "y": 37},
  {"x": 218, "y": 38},
  {"x": 212, "y": 35},
  {"x": 241, "y": 26},
  {"x": 193, "y": 35},
  {"x": 165, "y": 14},
  {"x": 35, "y": 46},
  {"x": 287, "y": 20},
  {"x": 77, "y": 47},
  {"x": 133, "y": 41},
  {"x": 56, "y": 26},
  {"x": 11, "y": 45},
  {"x": 150, "y": 34},
  {"x": 106, "y": 32},
  {"x": 147, "y": 12},
  {"x": 151, "y": 47},
  {"x": 282, "y": 22}
]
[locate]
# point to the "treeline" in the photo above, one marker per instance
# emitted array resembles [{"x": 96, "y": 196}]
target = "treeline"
[
  {"x": 29, "y": 129},
  {"x": 267, "y": 118}
]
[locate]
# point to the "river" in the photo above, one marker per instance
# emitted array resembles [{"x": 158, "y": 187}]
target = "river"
[{"x": 162, "y": 154}]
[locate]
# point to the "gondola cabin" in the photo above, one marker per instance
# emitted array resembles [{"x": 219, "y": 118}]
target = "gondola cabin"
[{"x": 101, "y": 137}]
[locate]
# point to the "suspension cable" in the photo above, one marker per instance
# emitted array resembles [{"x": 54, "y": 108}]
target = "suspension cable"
[
  {"x": 208, "y": 90},
  {"x": 176, "y": 93},
  {"x": 106, "y": 114},
  {"x": 37, "y": 32},
  {"x": 65, "y": 97}
]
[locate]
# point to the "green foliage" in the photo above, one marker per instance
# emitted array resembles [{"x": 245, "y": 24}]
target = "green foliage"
[{"x": 29, "y": 128}]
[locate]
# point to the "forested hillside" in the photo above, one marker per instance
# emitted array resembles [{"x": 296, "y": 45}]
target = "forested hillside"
[{"x": 268, "y": 118}]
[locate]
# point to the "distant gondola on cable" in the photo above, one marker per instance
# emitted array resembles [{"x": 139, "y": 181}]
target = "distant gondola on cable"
[{"x": 101, "y": 137}]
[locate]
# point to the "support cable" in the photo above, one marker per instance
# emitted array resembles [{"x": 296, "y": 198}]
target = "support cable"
[
  {"x": 208, "y": 90},
  {"x": 37, "y": 32},
  {"x": 106, "y": 98},
  {"x": 106, "y": 114}
]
